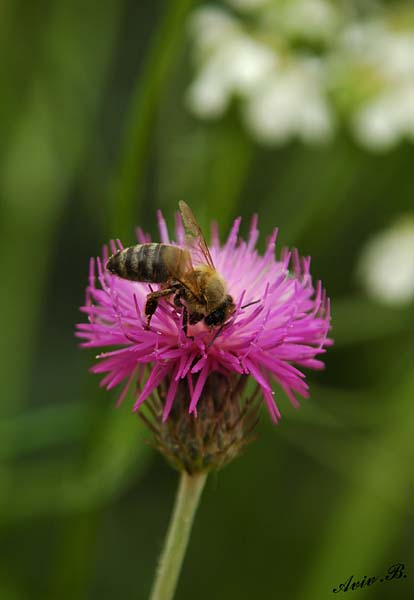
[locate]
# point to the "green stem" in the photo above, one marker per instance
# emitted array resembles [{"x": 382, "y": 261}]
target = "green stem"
[{"x": 186, "y": 502}]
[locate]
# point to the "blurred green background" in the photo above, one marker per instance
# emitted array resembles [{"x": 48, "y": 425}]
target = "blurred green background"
[{"x": 95, "y": 136}]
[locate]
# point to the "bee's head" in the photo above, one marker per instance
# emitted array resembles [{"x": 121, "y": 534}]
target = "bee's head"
[{"x": 221, "y": 314}]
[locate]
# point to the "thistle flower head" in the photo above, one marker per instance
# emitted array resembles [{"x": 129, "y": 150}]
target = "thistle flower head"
[{"x": 279, "y": 326}]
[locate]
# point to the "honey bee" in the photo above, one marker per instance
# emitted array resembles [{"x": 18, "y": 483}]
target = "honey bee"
[{"x": 198, "y": 290}]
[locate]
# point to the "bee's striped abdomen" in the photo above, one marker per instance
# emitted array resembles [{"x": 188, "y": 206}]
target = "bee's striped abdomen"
[{"x": 151, "y": 263}]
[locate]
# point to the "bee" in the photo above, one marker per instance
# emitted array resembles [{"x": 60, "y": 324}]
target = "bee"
[{"x": 197, "y": 289}]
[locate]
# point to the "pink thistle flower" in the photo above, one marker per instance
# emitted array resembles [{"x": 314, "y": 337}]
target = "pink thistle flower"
[{"x": 280, "y": 325}]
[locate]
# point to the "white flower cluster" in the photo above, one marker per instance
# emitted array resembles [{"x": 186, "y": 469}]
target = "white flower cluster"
[{"x": 297, "y": 67}]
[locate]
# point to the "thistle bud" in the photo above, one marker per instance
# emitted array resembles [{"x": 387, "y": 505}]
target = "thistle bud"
[{"x": 215, "y": 436}]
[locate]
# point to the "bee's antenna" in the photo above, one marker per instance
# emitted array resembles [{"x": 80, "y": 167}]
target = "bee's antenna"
[{"x": 250, "y": 304}]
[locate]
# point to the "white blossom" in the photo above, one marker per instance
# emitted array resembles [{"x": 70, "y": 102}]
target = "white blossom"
[
  {"x": 381, "y": 123},
  {"x": 386, "y": 265},
  {"x": 209, "y": 26},
  {"x": 232, "y": 64},
  {"x": 290, "y": 104},
  {"x": 389, "y": 51}
]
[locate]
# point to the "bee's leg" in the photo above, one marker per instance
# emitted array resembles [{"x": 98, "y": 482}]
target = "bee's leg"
[
  {"x": 185, "y": 320},
  {"x": 186, "y": 317},
  {"x": 177, "y": 302},
  {"x": 152, "y": 302},
  {"x": 190, "y": 319},
  {"x": 150, "y": 308},
  {"x": 177, "y": 299}
]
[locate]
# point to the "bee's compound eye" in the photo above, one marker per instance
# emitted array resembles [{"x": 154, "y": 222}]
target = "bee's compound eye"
[{"x": 215, "y": 318}]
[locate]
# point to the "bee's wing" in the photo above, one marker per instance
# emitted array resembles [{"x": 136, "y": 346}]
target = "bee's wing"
[
  {"x": 185, "y": 266},
  {"x": 194, "y": 237}
]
